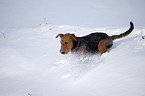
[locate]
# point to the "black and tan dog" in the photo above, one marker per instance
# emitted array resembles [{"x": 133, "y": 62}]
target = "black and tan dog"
[{"x": 92, "y": 43}]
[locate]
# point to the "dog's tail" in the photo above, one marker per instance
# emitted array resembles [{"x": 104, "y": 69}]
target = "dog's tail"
[{"x": 125, "y": 33}]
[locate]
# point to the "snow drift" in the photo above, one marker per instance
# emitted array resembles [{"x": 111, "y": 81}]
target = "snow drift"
[{"x": 31, "y": 65}]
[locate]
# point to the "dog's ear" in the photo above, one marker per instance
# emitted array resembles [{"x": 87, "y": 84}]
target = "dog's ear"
[
  {"x": 74, "y": 37},
  {"x": 61, "y": 35}
]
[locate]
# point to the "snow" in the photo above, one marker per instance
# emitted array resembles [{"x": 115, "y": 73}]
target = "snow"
[
  {"x": 31, "y": 64},
  {"x": 30, "y": 61}
]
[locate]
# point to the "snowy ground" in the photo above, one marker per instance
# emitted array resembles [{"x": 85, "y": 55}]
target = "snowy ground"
[
  {"x": 31, "y": 65},
  {"x": 30, "y": 62}
]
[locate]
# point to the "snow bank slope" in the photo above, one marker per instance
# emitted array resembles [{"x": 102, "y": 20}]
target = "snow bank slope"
[{"x": 30, "y": 64}]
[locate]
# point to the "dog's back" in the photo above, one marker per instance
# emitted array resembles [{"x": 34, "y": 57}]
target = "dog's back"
[{"x": 91, "y": 41}]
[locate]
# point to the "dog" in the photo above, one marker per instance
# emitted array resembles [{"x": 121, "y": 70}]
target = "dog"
[{"x": 92, "y": 43}]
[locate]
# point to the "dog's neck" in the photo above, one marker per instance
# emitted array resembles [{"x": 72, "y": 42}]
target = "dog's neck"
[{"x": 75, "y": 44}]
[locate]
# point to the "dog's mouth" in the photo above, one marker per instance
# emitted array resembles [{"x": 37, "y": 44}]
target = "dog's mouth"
[{"x": 63, "y": 52}]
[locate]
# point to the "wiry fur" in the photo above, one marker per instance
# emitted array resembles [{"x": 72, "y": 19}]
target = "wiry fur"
[{"x": 92, "y": 43}]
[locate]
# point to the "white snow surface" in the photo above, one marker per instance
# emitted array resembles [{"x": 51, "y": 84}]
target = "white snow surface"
[{"x": 31, "y": 65}]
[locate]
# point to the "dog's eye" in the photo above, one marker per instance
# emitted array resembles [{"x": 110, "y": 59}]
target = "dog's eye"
[{"x": 66, "y": 43}]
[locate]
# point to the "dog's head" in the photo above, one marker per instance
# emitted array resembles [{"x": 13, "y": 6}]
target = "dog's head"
[{"x": 66, "y": 42}]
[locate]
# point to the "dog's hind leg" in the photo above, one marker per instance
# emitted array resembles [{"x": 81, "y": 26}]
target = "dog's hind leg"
[
  {"x": 104, "y": 45},
  {"x": 101, "y": 47}
]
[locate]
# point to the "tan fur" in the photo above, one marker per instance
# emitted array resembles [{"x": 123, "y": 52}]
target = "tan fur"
[
  {"x": 66, "y": 42},
  {"x": 101, "y": 47},
  {"x": 104, "y": 45}
]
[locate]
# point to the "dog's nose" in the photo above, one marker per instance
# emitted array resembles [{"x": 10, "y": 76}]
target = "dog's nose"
[{"x": 62, "y": 52}]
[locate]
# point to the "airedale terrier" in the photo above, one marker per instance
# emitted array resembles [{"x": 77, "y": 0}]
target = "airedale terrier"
[{"x": 92, "y": 43}]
